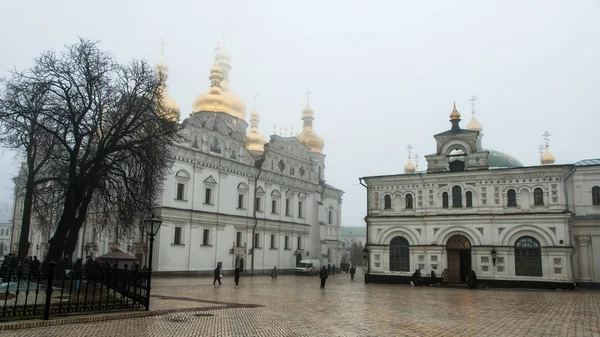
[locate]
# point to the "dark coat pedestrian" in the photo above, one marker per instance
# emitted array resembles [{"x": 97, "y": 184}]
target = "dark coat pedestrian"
[
  {"x": 352, "y": 272},
  {"x": 35, "y": 268},
  {"x": 217, "y": 275},
  {"x": 274, "y": 273},
  {"x": 472, "y": 280},
  {"x": 323, "y": 276},
  {"x": 333, "y": 270},
  {"x": 237, "y": 275}
]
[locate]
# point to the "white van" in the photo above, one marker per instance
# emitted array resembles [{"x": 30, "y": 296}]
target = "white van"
[{"x": 309, "y": 267}]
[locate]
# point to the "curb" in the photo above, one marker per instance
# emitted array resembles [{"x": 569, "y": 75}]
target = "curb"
[{"x": 75, "y": 320}]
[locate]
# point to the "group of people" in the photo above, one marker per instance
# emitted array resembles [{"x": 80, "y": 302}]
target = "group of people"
[
  {"x": 11, "y": 265},
  {"x": 417, "y": 280},
  {"x": 323, "y": 274}
]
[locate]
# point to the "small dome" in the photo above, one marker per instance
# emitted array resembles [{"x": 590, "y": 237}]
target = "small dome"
[
  {"x": 497, "y": 159},
  {"x": 307, "y": 136},
  {"x": 255, "y": 141},
  {"x": 307, "y": 111},
  {"x": 474, "y": 125},
  {"x": 454, "y": 114},
  {"x": 172, "y": 111},
  {"x": 547, "y": 158},
  {"x": 214, "y": 100},
  {"x": 409, "y": 168}
]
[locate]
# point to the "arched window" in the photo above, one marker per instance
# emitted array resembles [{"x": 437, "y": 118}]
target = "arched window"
[
  {"x": 456, "y": 196},
  {"x": 399, "y": 254},
  {"x": 538, "y": 197},
  {"x": 512, "y": 197},
  {"x": 469, "y": 199},
  {"x": 387, "y": 202},
  {"x": 445, "y": 200},
  {"x": 528, "y": 257},
  {"x": 596, "y": 195},
  {"x": 409, "y": 201}
]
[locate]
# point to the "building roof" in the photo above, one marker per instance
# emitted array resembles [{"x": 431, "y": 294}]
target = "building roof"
[
  {"x": 588, "y": 162},
  {"x": 499, "y": 159},
  {"x": 354, "y": 231}
]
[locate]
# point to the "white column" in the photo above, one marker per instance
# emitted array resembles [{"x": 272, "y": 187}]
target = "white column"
[{"x": 583, "y": 244}]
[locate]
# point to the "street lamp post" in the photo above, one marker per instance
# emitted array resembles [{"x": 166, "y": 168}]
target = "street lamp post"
[{"x": 152, "y": 226}]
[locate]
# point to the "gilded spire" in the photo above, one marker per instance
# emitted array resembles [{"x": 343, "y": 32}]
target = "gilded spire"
[
  {"x": 307, "y": 136},
  {"x": 255, "y": 141},
  {"x": 547, "y": 158},
  {"x": 454, "y": 114}
]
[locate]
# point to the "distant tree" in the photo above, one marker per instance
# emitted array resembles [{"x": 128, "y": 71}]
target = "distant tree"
[
  {"x": 356, "y": 253},
  {"x": 111, "y": 139}
]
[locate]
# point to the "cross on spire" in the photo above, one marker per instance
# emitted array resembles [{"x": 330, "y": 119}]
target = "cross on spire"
[
  {"x": 223, "y": 37},
  {"x": 541, "y": 149},
  {"x": 308, "y": 92},
  {"x": 409, "y": 148},
  {"x": 473, "y": 99},
  {"x": 162, "y": 47},
  {"x": 546, "y": 136},
  {"x": 255, "y": 96},
  {"x": 217, "y": 50}
]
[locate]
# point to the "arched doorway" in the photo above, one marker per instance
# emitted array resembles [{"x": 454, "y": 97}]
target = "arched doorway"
[
  {"x": 458, "y": 250},
  {"x": 298, "y": 259}
]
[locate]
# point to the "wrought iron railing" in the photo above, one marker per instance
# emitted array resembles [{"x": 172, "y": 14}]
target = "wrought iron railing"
[{"x": 27, "y": 293}]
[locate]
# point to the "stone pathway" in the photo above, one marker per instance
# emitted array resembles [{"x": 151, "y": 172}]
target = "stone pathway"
[{"x": 295, "y": 306}]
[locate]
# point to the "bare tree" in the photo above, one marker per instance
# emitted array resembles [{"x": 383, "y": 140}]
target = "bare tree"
[
  {"x": 21, "y": 105},
  {"x": 112, "y": 138}
]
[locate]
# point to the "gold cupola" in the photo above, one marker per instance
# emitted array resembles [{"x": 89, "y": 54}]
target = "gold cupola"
[
  {"x": 227, "y": 102},
  {"x": 307, "y": 136},
  {"x": 255, "y": 141},
  {"x": 547, "y": 158},
  {"x": 172, "y": 111},
  {"x": 454, "y": 114},
  {"x": 409, "y": 168}
]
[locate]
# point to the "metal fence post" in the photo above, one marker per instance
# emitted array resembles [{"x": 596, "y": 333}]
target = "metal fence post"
[{"x": 51, "y": 266}]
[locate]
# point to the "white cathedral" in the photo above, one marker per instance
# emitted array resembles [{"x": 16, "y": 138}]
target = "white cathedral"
[
  {"x": 482, "y": 210},
  {"x": 227, "y": 183}
]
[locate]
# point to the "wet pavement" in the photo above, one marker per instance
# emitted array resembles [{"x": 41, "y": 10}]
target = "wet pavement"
[{"x": 295, "y": 306}]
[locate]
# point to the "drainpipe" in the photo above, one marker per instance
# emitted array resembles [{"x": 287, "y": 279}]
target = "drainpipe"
[
  {"x": 258, "y": 164},
  {"x": 366, "y": 249},
  {"x": 570, "y": 226},
  {"x": 192, "y": 216}
]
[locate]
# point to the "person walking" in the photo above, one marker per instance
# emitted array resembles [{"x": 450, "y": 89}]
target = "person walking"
[
  {"x": 237, "y": 275},
  {"x": 274, "y": 273},
  {"x": 217, "y": 275},
  {"x": 323, "y": 277},
  {"x": 352, "y": 272},
  {"x": 472, "y": 280},
  {"x": 445, "y": 276}
]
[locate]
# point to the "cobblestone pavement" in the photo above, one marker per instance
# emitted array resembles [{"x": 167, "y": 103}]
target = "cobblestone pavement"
[{"x": 295, "y": 306}]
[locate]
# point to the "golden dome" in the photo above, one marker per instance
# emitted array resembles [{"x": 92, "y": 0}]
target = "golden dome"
[
  {"x": 255, "y": 141},
  {"x": 307, "y": 136},
  {"x": 213, "y": 101},
  {"x": 409, "y": 168},
  {"x": 474, "y": 125},
  {"x": 547, "y": 158},
  {"x": 172, "y": 111},
  {"x": 454, "y": 114}
]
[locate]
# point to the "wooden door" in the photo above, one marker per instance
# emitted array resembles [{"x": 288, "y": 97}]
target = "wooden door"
[{"x": 453, "y": 266}]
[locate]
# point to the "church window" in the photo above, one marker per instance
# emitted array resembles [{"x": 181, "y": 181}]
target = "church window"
[
  {"x": 208, "y": 196},
  {"x": 330, "y": 217},
  {"x": 299, "y": 242},
  {"x": 257, "y": 204},
  {"x": 215, "y": 145},
  {"x": 321, "y": 173},
  {"x": 273, "y": 241},
  {"x": 399, "y": 254},
  {"x": 387, "y": 202},
  {"x": 281, "y": 165},
  {"x": 300, "y": 214},
  {"x": 274, "y": 206},
  {"x": 238, "y": 239},
  {"x": 469, "y": 196},
  {"x": 180, "y": 190},
  {"x": 512, "y": 197},
  {"x": 240, "y": 201},
  {"x": 256, "y": 240},
  {"x": 528, "y": 257},
  {"x": 177, "y": 236},
  {"x": 206, "y": 237},
  {"x": 538, "y": 197},
  {"x": 409, "y": 201},
  {"x": 445, "y": 200},
  {"x": 456, "y": 196},
  {"x": 596, "y": 195},
  {"x": 286, "y": 242},
  {"x": 302, "y": 171},
  {"x": 287, "y": 208}
]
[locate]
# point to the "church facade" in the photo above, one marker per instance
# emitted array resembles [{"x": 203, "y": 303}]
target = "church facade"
[
  {"x": 482, "y": 210},
  {"x": 232, "y": 199}
]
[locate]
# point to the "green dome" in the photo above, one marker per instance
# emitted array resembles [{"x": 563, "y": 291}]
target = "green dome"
[{"x": 499, "y": 159}]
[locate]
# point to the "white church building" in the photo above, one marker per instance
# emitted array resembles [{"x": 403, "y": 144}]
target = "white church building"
[
  {"x": 482, "y": 210},
  {"x": 229, "y": 186}
]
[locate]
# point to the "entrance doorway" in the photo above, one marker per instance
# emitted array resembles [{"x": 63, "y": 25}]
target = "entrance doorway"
[
  {"x": 458, "y": 248},
  {"x": 298, "y": 259}
]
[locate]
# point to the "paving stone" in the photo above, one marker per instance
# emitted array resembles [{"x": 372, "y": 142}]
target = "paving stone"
[{"x": 295, "y": 306}]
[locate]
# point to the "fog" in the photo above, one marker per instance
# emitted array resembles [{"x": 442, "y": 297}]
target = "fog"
[{"x": 382, "y": 74}]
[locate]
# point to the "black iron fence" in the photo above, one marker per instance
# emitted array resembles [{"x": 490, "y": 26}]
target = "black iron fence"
[{"x": 27, "y": 293}]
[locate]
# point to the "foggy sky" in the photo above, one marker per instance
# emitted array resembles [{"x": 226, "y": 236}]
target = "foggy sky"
[{"x": 382, "y": 74}]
